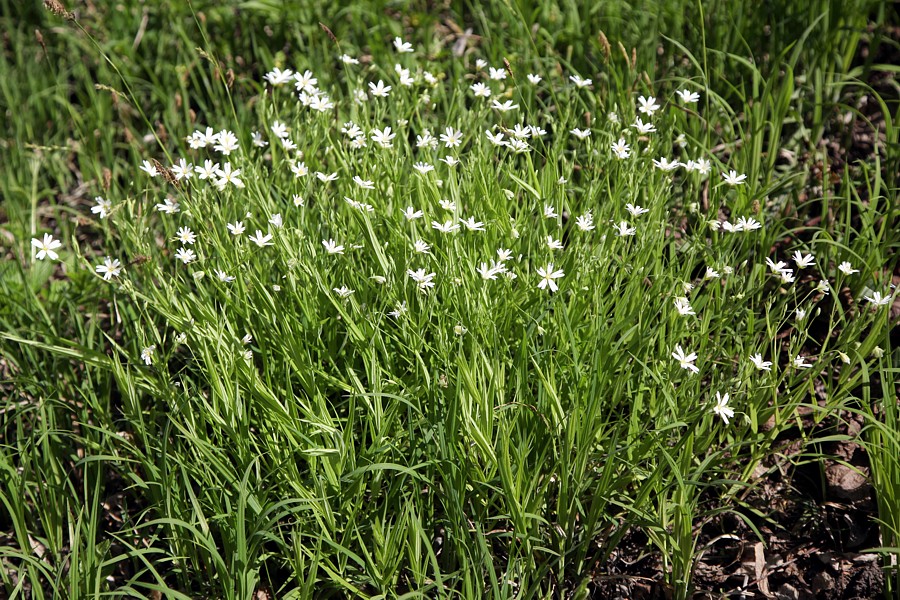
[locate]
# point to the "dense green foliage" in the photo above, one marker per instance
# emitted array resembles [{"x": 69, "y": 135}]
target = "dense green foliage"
[{"x": 328, "y": 425}]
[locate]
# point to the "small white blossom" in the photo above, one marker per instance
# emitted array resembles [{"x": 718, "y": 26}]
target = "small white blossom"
[
  {"x": 46, "y": 247},
  {"x": 686, "y": 361},
  {"x": 759, "y": 363},
  {"x": 110, "y": 268},
  {"x": 548, "y": 276},
  {"x": 722, "y": 409}
]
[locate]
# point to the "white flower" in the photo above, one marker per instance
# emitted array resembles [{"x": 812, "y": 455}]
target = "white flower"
[
  {"x": 643, "y": 127},
  {"x": 208, "y": 170},
  {"x": 46, "y": 247},
  {"x": 363, "y": 183},
  {"x": 261, "y": 240},
  {"x": 185, "y": 255},
  {"x": 518, "y": 146},
  {"x": 876, "y": 298},
  {"x": 423, "y": 280},
  {"x": 711, "y": 273},
  {"x": 182, "y": 169},
  {"x": 702, "y": 166},
  {"x": 380, "y": 90},
  {"x": 400, "y": 310},
  {"x": 227, "y": 143},
  {"x": 299, "y": 169},
  {"x": 648, "y": 105},
  {"x": 800, "y": 314},
  {"x": 208, "y": 137},
  {"x": 534, "y": 78},
  {"x": 426, "y": 140},
  {"x": 664, "y": 164},
  {"x": 332, "y": 247},
  {"x": 305, "y": 82},
  {"x": 732, "y": 178},
  {"x": 554, "y": 244},
  {"x": 411, "y": 214},
  {"x": 298, "y": 200},
  {"x": 822, "y": 287},
  {"x": 548, "y": 275},
  {"x": 636, "y": 211},
  {"x": 326, "y": 177},
  {"x": 472, "y": 225},
  {"x": 776, "y": 267},
  {"x": 504, "y": 107},
  {"x": 351, "y": 130},
  {"x": 421, "y": 247},
  {"x": 321, "y": 103},
  {"x": 185, "y": 235},
  {"x": 721, "y": 408},
  {"x": 236, "y": 228},
  {"x": 168, "y": 206},
  {"x": 149, "y": 168},
  {"x": 800, "y": 363},
  {"x": 486, "y": 272},
  {"x": 383, "y": 137},
  {"x": 748, "y": 224},
  {"x": 423, "y": 167},
  {"x": 445, "y": 227},
  {"x": 549, "y": 212},
  {"x": 223, "y": 276},
  {"x": 621, "y": 149},
  {"x": 147, "y": 354},
  {"x": 622, "y": 229},
  {"x": 349, "y": 60},
  {"x": 406, "y": 78},
  {"x": 277, "y": 77},
  {"x": 759, "y": 363},
  {"x": 585, "y": 222},
  {"x": 683, "y": 306},
  {"x": 581, "y": 133},
  {"x": 787, "y": 276},
  {"x": 403, "y": 47},
  {"x": 687, "y": 96},
  {"x": 343, "y": 291},
  {"x": 803, "y": 261},
  {"x": 521, "y": 131},
  {"x": 110, "y": 268},
  {"x": 496, "y": 139},
  {"x": 847, "y": 269},
  {"x": 451, "y": 161},
  {"x": 481, "y": 90},
  {"x": 685, "y": 360},
  {"x": 447, "y": 204},
  {"x": 226, "y": 176},
  {"x": 497, "y": 74},
  {"x": 102, "y": 208},
  {"x": 279, "y": 129},
  {"x": 579, "y": 82},
  {"x": 451, "y": 138}
]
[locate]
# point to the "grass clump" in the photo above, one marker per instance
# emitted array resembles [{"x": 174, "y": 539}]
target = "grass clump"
[{"x": 426, "y": 324}]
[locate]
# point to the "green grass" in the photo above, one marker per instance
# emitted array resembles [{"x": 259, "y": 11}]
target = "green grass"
[{"x": 496, "y": 439}]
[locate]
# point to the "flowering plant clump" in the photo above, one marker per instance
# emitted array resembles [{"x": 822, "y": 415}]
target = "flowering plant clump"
[{"x": 453, "y": 287}]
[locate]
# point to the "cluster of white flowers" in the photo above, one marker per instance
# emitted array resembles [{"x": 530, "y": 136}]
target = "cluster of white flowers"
[{"x": 218, "y": 164}]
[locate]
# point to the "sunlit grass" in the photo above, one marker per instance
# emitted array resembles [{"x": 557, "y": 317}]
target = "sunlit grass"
[{"x": 297, "y": 381}]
